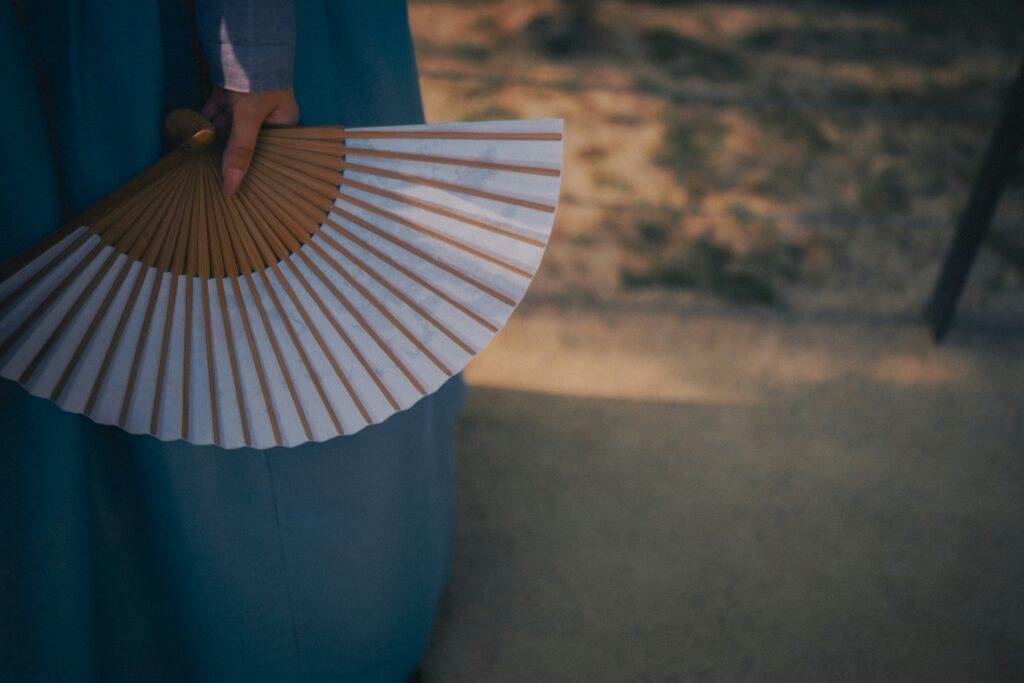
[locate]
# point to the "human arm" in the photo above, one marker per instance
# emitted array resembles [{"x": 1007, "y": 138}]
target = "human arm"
[{"x": 250, "y": 47}]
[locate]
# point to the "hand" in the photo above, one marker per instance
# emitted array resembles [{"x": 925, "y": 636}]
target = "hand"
[{"x": 245, "y": 113}]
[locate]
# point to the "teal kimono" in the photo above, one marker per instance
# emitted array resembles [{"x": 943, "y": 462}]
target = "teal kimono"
[{"x": 123, "y": 558}]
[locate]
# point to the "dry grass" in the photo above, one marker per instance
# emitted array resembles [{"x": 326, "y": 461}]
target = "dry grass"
[{"x": 811, "y": 155}]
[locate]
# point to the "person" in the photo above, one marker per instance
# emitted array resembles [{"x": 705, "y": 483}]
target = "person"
[
  {"x": 124, "y": 558},
  {"x": 250, "y": 48}
]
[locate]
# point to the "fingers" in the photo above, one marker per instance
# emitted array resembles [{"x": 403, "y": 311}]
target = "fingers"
[
  {"x": 246, "y": 113},
  {"x": 222, "y": 120},
  {"x": 245, "y": 129},
  {"x": 216, "y": 103},
  {"x": 285, "y": 112}
]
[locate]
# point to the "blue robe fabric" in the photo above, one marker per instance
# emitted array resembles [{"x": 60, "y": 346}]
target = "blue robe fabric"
[{"x": 123, "y": 558}]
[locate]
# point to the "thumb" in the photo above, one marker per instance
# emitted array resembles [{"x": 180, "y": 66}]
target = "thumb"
[{"x": 245, "y": 129}]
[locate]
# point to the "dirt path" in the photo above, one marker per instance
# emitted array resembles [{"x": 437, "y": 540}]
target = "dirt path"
[{"x": 646, "y": 496}]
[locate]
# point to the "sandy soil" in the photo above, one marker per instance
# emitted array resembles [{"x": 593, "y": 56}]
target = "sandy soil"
[
  {"x": 801, "y": 155},
  {"x": 735, "y": 496}
]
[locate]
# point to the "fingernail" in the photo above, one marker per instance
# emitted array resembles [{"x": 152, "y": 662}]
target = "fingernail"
[{"x": 232, "y": 179}]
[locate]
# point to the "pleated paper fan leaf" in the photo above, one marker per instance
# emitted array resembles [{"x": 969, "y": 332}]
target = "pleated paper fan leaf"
[{"x": 352, "y": 274}]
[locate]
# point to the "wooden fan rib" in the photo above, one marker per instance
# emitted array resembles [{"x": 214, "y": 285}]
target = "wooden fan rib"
[
  {"x": 243, "y": 218},
  {"x": 157, "y": 235},
  {"x": 186, "y": 359},
  {"x": 15, "y": 263},
  {"x": 189, "y": 270},
  {"x": 218, "y": 240},
  {"x": 52, "y": 296},
  {"x": 321, "y": 206},
  {"x": 411, "y": 275},
  {"x": 268, "y": 203},
  {"x": 48, "y": 268},
  {"x": 234, "y": 262},
  {"x": 125, "y": 193},
  {"x": 191, "y": 234},
  {"x": 265, "y": 157},
  {"x": 448, "y": 135},
  {"x": 160, "y": 257},
  {"x": 84, "y": 341},
  {"x": 318, "y": 151},
  {"x": 257, "y": 361},
  {"x": 369, "y": 328},
  {"x": 71, "y": 249},
  {"x": 186, "y": 257},
  {"x": 130, "y": 238},
  {"x": 339, "y": 133},
  {"x": 366, "y": 225},
  {"x": 195, "y": 227},
  {"x": 384, "y": 282},
  {"x": 328, "y": 176},
  {"x": 115, "y": 341},
  {"x": 190, "y": 257},
  {"x": 233, "y": 362},
  {"x": 440, "y": 210},
  {"x": 160, "y": 211},
  {"x": 72, "y": 312},
  {"x": 304, "y": 132},
  {"x": 289, "y": 382},
  {"x": 451, "y": 187},
  {"x": 424, "y": 230},
  {"x": 441, "y": 237},
  {"x": 159, "y": 170},
  {"x": 343, "y": 300},
  {"x": 177, "y": 259},
  {"x": 354, "y": 312},
  {"x": 216, "y": 224},
  {"x": 388, "y": 314},
  {"x": 120, "y": 227},
  {"x": 65, "y": 320},
  {"x": 221, "y": 270},
  {"x": 217, "y": 234},
  {"x": 204, "y": 278},
  {"x": 342, "y": 165},
  {"x": 133, "y": 373},
  {"x": 349, "y": 388},
  {"x": 287, "y": 172},
  {"x": 338, "y": 328},
  {"x": 172, "y": 298},
  {"x": 303, "y": 356},
  {"x": 265, "y": 242}
]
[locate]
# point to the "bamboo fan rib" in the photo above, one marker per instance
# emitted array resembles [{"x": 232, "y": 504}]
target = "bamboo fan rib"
[{"x": 353, "y": 273}]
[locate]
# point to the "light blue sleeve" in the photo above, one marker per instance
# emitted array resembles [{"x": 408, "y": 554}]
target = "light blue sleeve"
[{"x": 250, "y": 44}]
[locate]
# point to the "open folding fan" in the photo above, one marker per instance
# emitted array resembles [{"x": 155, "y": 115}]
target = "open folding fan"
[{"x": 353, "y": 272}]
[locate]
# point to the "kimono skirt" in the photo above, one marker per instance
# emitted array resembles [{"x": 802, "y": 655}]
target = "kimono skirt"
[{"x": 123, "y": 558}]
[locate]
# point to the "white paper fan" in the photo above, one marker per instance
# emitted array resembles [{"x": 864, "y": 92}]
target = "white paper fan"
[{"x": 353, "y": 273}]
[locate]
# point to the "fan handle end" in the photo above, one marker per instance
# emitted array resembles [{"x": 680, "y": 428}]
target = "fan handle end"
[{"x": 190, "y": 130}]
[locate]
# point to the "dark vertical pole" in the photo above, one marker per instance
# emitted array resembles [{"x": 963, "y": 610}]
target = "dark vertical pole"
[{"x": 973, "y": 225}]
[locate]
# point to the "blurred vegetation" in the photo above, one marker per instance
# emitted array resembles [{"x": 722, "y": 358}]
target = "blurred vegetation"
[
  {"x": 688, "y": 142},
  {"x": 807, "y": 147},
  {"x": 702, "y": 264},
  {"x": 472, "y": 52},
  {"x": 885, "y": 192},
  {"x": 684, "y": 56}
]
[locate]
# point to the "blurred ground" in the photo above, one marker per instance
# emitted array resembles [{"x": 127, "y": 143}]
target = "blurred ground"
[
  {"x": 806, "y": 155},
  {"x": 705, "y": 497},
  {"x": 710, "y": 497},
  {"x": 716, "y": 443}
]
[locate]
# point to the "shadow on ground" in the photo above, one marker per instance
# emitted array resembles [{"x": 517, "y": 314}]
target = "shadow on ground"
[{"x": 849, "y": 530}]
